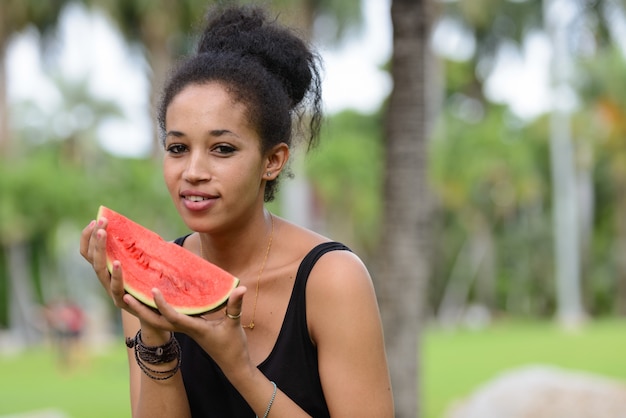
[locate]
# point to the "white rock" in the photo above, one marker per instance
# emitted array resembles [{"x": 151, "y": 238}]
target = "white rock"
[{"x": 545, "y": 392}]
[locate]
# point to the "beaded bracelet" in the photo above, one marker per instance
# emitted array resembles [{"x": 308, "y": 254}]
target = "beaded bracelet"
[
  {"x": 154, "y": 355},
  {"x": 269, "y": 405}
]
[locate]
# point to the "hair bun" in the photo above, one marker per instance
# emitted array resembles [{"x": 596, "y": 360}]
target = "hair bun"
[{"x": 247, "y": 31}]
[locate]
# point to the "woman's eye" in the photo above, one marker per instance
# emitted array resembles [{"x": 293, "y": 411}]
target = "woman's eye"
[
  {"x": 224, "y": 149},
  {"x": 176, "y": 149}
]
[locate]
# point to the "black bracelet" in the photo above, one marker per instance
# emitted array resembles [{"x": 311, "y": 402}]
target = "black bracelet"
[
  {"x": 154, "y": 355},
  {"x": 158, "y": 374}
]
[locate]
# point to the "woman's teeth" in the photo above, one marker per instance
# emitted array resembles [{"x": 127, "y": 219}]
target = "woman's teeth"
[{"x": 195, "y": 198}]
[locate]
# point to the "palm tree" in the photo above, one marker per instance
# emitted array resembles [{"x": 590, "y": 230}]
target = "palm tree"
[
  {"x": 495, "y": 23},
  {"x": 158, "y": 28},
  {"x": 484, "y": 183},
  {"x": 162, "y": 27},
  {"x": 570, "y": 311},
  {"x": 406, "y": 244},
  {"x": 53, "y": 169},
  {"x": 604, "y": 90},
  {"x": 15, "y": 15}
]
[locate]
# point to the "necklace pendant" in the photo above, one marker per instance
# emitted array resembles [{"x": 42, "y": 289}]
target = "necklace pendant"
[{"x": 250, "y": 325}]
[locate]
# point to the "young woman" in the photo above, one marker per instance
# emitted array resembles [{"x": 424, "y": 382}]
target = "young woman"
[{"x": 306, "y": 340}]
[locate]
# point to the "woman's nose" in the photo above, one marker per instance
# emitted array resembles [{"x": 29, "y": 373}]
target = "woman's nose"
[{"x": 197, "y": 169}]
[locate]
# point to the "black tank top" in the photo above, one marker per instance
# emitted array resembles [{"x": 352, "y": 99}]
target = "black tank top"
[{"x": 292, "y": 363}]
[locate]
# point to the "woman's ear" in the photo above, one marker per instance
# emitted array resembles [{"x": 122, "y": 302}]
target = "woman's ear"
[{"x": 275, "y": 161}]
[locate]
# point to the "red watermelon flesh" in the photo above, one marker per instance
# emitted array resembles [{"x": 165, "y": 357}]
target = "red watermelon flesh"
[{"x": 189, "y": 283}]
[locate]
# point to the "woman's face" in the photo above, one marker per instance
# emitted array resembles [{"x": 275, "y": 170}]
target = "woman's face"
[{"x": 213, "y": 167}]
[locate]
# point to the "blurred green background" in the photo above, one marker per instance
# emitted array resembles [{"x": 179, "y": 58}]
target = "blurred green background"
[
  {"x": 528, "y": 150},
  {"x": 95, "y": 384}
]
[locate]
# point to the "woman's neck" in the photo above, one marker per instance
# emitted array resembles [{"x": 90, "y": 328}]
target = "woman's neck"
[{"x": 241, "y": 250}]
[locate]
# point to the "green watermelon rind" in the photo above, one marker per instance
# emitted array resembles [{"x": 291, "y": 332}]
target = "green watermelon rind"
[
  {"x": 147, "y": 298},
  {"x": 191, "y": 311}
]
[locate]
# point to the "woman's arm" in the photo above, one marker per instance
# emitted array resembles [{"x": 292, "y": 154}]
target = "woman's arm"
[
  {"x": 150, "y": 397},
  {"x": 131, "y": 325},
  {"x": 344, "y": 323}
]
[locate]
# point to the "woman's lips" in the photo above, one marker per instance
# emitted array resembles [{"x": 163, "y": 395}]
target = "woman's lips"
[{"x": 197, "y": 201}]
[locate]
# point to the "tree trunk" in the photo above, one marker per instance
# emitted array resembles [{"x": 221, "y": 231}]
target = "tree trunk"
[
  {"x": 4, "y": 105},
  {"x": 620, "y": 247},
  {"x": 565, "y": 199},
  {"x": 22, "y": 309},
  {"x": 160, "y": 64},
  {"x": 405, "y": 262},
  {"x": 5, "y": 131}
]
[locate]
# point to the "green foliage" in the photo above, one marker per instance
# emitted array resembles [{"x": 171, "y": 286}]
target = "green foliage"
[
  {"x": 495, "y": 18},
  {"x": 146, "y": 20},
  {"x": 41, "y": 192},
  {"x": 135, "y": 188},
  {"x": 601, "y": 77},
  {"x": 337, "y": 17},
  {"x": 37, "y": 192},
  {"x": 18, "y": 14},
  {"x": 60, "y": 176},
  {"x": 460, "y": 78},
  {"x": 4, "y": 291},
  {"x": 484, "y": 164},
  {"x": 347, "y": 172},
  {"x": 490, "y": 174}
]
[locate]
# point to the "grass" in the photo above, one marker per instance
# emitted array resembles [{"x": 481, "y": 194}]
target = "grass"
[
  {"x": 96, "y": 388},
  {"x": 454, "y": 364}
]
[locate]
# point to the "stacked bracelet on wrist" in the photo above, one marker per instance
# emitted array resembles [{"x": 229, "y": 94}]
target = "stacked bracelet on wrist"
[{"x": 155, "y": 355}]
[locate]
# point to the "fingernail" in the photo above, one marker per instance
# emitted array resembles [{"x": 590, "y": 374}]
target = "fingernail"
[
  {"x": 92, "y": 223},
  {"x": 100, "y": 222}
]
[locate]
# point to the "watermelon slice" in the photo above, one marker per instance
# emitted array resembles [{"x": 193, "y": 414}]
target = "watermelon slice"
[{"x": 189, "y": 283}]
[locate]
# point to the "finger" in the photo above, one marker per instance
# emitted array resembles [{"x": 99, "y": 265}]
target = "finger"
[
  {"x": 235, "y": 301},
  {"x": 168, "y": 313},
  {"x": 101, "y": 224},
  {"x": 98, "y": 254},
  {"x": 165, "y": 308},
  {"x": 117, "y": 284},
  {"x": 85, "y": 237},
  {"x": 145, "y": 313}
]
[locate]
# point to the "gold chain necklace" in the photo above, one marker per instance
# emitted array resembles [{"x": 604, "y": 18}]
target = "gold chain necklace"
[{"x": 258, "y": 280}]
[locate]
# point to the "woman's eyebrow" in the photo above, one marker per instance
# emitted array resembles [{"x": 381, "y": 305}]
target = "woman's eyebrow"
[
  {"x": 222, "y": 132},
  {"x": 213, "y": 132},
  {"x": 176, "y": 134}
]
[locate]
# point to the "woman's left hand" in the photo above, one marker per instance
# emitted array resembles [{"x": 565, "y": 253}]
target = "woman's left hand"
[{"x": 220, "y": 335}]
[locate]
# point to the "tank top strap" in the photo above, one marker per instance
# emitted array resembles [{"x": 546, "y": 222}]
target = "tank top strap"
[
  {"x": 181, "y": 240},
  {"x": 308, "y": 263},
  {"x": 311, "y": 258}
]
